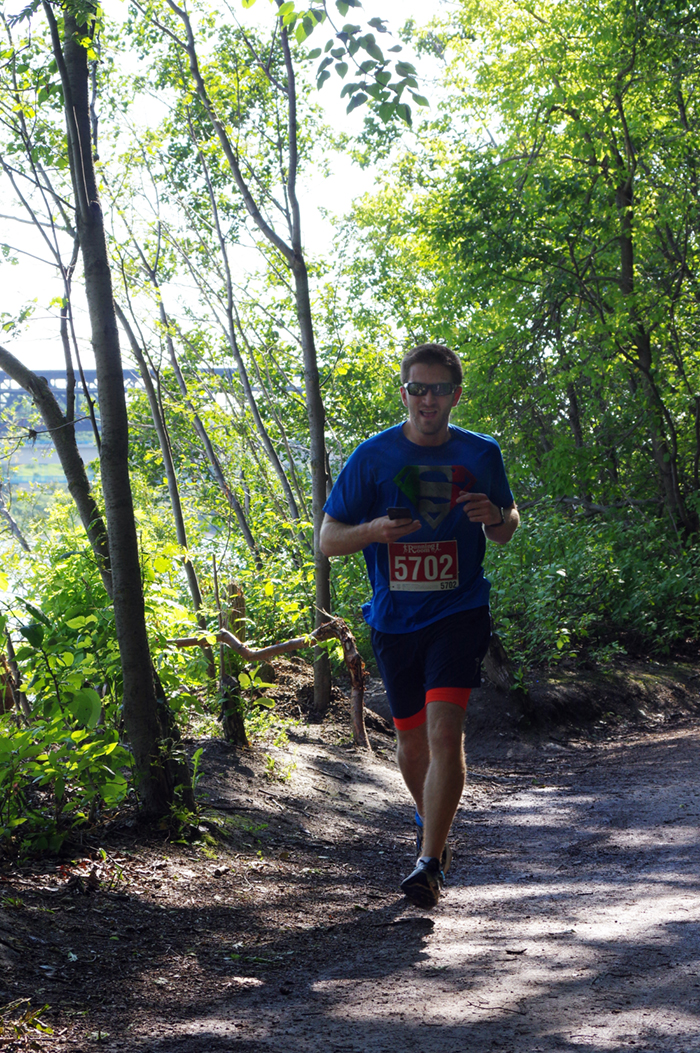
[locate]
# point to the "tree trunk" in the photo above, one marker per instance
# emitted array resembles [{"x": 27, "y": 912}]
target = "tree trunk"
[
  {"x": 315, "y": 409},
  {"x": 665, "y": 455},
  {"x": 231, "y": 715},
  {"x": 292, "y": 253},
  {"x": 11, "y": 522},
  {"x": 319, "y": 479},
  {"x": 155, "y": 772},
  {"x": 62, "y": 434},
  {"x": 171, "y": 479},
  {"x": 168, "y": 465}
]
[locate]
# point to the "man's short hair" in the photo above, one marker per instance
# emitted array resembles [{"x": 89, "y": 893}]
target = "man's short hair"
[{"x": 432, "y": 355}]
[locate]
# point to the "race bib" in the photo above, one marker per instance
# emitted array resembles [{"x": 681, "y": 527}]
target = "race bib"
[{"x": 423, "y": 566}]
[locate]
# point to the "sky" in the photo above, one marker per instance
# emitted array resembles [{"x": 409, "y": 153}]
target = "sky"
[{"x": 38, "y": 346}]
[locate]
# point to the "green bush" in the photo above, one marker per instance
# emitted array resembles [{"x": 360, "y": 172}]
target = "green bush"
[
  {"x": 54, "y": 775},
  {"x": 68, "y": 764},
  {"x": 568, "y": 581}
]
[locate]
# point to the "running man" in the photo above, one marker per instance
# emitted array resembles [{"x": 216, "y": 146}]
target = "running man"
[{"x": 429, "y": 611}]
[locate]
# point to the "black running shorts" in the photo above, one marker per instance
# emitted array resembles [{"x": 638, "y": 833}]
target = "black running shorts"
[{"x": 441, "y": 662}]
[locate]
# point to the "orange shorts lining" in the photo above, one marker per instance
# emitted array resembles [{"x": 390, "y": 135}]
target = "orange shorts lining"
[
  {"x": 406, "y": 723},
  {"x": 457, "y": 695}
]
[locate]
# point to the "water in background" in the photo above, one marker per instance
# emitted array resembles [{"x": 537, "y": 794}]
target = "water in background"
[{"x": 40, "y": 464}]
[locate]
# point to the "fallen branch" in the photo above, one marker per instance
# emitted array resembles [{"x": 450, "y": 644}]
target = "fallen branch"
[{"x": 333, "y": 629}]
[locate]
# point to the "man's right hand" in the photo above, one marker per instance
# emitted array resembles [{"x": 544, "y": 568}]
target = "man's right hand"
[
  {"x": 389, "y": 530},
  {"x": 340, "y": 539}
]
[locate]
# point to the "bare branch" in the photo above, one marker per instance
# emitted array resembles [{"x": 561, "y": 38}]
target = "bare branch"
[{"x": 336, "y": 629}]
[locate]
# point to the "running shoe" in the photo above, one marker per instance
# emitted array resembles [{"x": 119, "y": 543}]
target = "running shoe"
[
  {"x": 424, "y": 885},
  {"x": 445, "y": 858}
]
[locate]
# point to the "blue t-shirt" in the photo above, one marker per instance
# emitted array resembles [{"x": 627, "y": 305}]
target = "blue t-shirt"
[{"x": 437, "y": 570}]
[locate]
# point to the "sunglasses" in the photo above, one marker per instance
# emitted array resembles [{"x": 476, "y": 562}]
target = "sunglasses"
[{"x": 416, "y": 389}]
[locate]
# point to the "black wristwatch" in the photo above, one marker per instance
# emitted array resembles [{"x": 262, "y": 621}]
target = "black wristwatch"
[{"x": 503, "y": 518}]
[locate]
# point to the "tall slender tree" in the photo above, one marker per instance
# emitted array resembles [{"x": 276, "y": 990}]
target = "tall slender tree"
[{"x": 145, "y": 714}]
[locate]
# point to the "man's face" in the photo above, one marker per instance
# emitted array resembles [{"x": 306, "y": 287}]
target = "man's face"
[{"x": 429, "y": 414}]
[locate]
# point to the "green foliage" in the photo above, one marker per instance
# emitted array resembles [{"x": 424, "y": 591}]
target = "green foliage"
[
  {"x": 22, "y": 1025},
  {"x": 570, "y": 585},
  {"x": 553, "y": 246},
  {"x": 54, "y": 775},
  {"x": 382, "y": 80},
  {"x": 68, "y": 763}
]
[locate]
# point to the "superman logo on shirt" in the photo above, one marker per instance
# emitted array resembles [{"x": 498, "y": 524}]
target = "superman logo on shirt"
[{"x": 434, "y": 489}]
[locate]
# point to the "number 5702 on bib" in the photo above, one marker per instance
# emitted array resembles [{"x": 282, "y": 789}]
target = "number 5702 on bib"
[{"x": 423, "y": 566}]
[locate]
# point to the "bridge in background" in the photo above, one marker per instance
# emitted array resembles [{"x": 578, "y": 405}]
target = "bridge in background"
[{"x": 14, "y": 397}]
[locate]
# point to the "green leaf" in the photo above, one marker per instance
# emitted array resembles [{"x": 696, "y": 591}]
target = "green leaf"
[
  {"x": 316, "y": 53},
  {"x": 244, "y": 680},
  {"x": 86, "y": 707},
  {"x": 420, "y": 99},
  {"x": 404, "y": 112},
  {"x": 266, "y": 703},
  {"x": 341, "y": 68},
  {"x": 357, "y": 100},
  {"x": 322, "y": 78},
  {"x": 375, "y": 51},
  {"x": 39, "y": 615},
  {"x": 300, "y": 33},
  {"x": 33, "y": 633},
  {"x": 348, "y": 89},
  {"x": 376, "y": 91}
]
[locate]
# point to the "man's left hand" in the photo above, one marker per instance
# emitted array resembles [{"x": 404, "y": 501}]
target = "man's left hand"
[{"x": 479, "y": 509}]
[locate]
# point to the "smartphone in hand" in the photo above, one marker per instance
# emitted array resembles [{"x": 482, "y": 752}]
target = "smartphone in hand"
[{"x": 398, "y": 513}]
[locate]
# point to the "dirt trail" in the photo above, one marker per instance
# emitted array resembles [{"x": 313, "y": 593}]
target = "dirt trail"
[
  {"x": 571, "y": 919},
  {"x": 572, "y": 922}
]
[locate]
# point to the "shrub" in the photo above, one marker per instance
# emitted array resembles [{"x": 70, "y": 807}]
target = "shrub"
[{"x": 568, "y": 581}]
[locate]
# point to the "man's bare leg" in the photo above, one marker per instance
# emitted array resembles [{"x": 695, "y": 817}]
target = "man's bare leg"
[
  {"x": 431, "y": 760},
  {"x": 413, "y": 756},
  {"x": 444, "y": 780}
]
